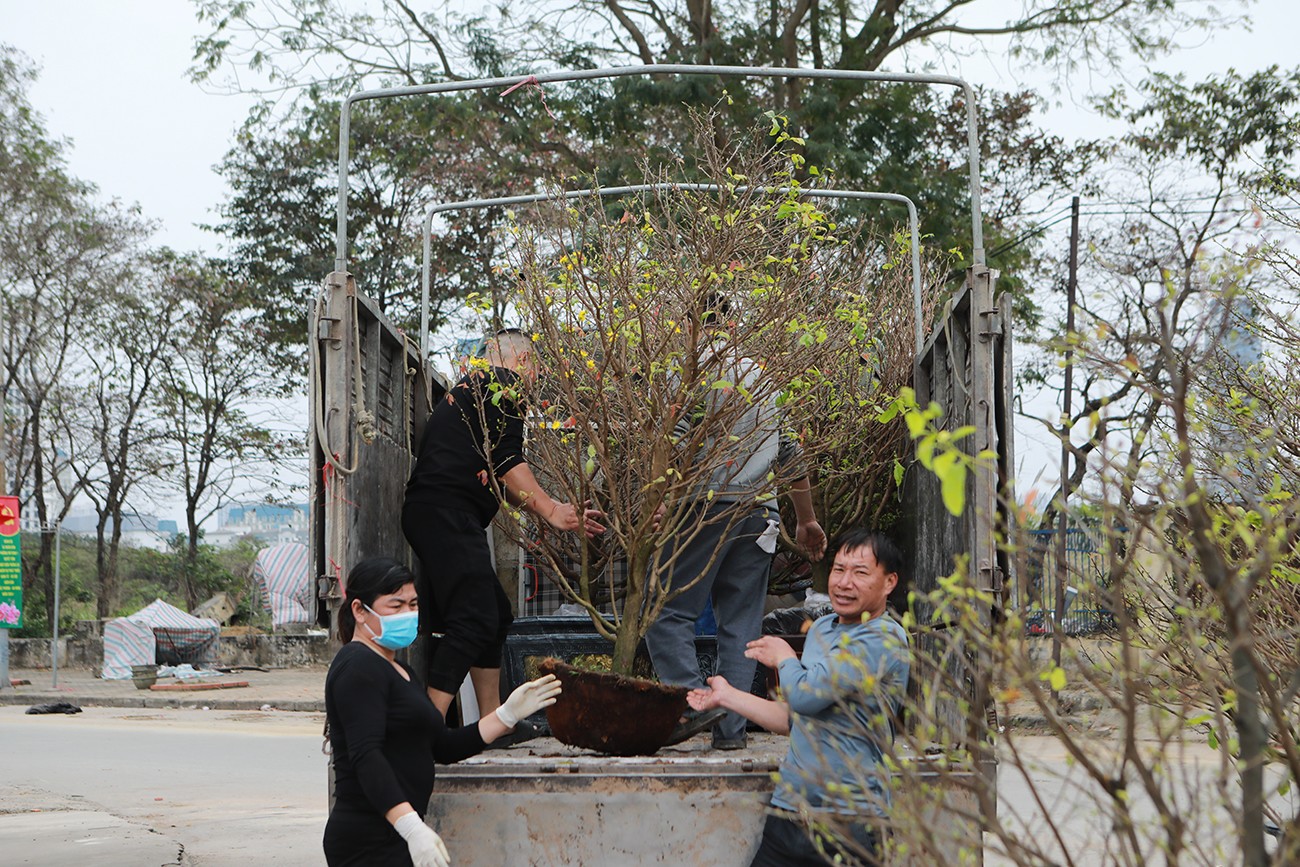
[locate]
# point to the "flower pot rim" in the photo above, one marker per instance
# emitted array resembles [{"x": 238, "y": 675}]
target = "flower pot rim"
[{"x": 557, "y": 664}]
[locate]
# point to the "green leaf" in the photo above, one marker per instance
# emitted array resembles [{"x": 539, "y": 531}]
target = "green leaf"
[
  {"x": 1212, "y": 739},
  {"x": 1057, "y": 678},
  {"x": 898, "y": 472},
  {"x": 952, "y": 483},
  {"x": 925, "y": 452},
  {"x": 915, "y": 424}
]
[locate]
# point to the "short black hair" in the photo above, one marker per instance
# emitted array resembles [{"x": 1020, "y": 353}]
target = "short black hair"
[{"x": 883, "y": 548}]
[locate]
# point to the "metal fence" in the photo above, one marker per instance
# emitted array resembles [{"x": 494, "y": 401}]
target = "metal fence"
[
  {"x": 1087, "y": 602},
  {"x": 540, "y": 595}
]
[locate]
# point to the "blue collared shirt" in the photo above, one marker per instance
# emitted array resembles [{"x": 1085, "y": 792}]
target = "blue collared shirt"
[{"x": 843, "y": 694}]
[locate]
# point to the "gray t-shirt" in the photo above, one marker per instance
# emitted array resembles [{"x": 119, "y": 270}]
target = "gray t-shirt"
[{"x": 744, "y": 457}]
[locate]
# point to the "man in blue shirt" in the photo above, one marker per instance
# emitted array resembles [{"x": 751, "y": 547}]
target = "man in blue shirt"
[{"x": 837, "y": 703}]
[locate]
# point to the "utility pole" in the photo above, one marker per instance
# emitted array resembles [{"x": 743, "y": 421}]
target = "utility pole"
[
  {"x": 1062, "y": 572},
  {"x": 54, "y": 642}
]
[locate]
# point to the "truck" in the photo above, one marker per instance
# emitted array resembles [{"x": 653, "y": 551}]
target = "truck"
[{"x": 371, "y": 390}]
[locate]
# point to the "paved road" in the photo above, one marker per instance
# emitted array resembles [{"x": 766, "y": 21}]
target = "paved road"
[
  {"x": 137, "y": 787},
  {"x": 1040, "y": 779},
  {"x": 131, "y": 788}
]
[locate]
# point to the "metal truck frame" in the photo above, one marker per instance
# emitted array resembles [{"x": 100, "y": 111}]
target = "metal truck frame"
[{"x": 371, "y": 390}]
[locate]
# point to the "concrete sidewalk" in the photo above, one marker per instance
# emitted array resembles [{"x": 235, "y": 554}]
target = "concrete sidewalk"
[
  {"x": 38, "y": 828},
  {"x": 289, "y": 689}
]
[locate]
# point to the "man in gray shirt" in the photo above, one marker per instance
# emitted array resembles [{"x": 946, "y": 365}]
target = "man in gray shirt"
[
  {"x": 723, "y": 549},
  {"x": 838, "y": 703}
]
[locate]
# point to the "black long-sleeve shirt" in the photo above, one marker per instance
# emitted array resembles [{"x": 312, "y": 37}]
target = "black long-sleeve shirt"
[
  {"x": 474, "y": 422},
  {"x": 385, "y": 733}
]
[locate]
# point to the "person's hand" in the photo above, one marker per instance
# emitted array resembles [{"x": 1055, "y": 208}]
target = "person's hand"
[
  {"x": 424, "y": 844},
  {"x": 658, "y": 516},
  {"x": 591, "y": 522},
  {"x": 708, "y": 699},
  {"x": 769, "y": 650},
  {"x": 528, "y": 699},
  {"x": 811, "y": 538},
  {"x": 565, "y": 517}
]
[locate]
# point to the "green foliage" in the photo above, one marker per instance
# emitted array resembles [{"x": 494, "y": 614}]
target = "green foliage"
[
  {"x": 77, "y": 586},
  {"x": 1244, "y": 125},
  {"x": 294, "y": 42},
  {"x": 148, "y": 575},
  {"x": 937, "y": 449},
  {"x": 906, "y": 139},
  {"x": 176, "y": 577},
  {"x": 406, "y": 155}
]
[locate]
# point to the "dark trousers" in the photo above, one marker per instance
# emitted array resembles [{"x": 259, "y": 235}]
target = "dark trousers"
[
  {"x": 460, "y": 596},
  {"x": 788, "y": 842},
  {"x": 360, "y": 837},
  {"x": 723, "y": 553}
]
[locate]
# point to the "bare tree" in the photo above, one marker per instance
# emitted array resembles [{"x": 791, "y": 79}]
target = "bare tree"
[
  {"x": 281, "y": 40},
  {"x": 216, "y": 400},
  {"x": 665, "y": 332},
  {"x": 62, "y": 255},
  {"x": 119, "y": 443}
]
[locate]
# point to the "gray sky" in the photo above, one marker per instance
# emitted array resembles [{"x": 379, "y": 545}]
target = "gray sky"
[{"x": 113, "y": 81}]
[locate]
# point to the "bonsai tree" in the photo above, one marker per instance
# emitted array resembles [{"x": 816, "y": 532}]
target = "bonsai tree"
[{"x": 634, "y": 310}]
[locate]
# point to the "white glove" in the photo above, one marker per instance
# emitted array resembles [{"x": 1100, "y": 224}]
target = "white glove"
[
  {"x": 426, "y": 847},
  {"x": 528, "y": 699}
]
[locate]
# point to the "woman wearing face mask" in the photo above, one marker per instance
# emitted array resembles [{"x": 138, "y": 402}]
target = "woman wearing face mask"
[{"x": 385, "y": 734}]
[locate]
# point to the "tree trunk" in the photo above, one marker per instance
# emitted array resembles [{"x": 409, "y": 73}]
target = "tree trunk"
[
  {"x": 106, "y": 551},
  {"x": 630, "y": 628},
  {"x": 625, "y": 645},
  {"x": 102, "y": 590},
  {"x": 43, "y": 573},
  {"x": 191, "y": 558},
  {"x": 1251, "y": 734}
]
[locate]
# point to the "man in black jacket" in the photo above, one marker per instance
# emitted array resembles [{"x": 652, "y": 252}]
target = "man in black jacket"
[{"x": 471, "y": 455}]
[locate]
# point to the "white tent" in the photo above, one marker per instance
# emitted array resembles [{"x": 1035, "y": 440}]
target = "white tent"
[
  {"x": 135, "y": 639},
  {"x": 284, "y": 574}
]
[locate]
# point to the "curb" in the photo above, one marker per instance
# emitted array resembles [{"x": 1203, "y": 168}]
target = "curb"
[
  {"x": 196, "y": 687},
  {"x": 161, "y": 701}
]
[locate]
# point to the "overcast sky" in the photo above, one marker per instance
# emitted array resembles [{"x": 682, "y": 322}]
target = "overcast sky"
[{"x": 113, "y": 81}]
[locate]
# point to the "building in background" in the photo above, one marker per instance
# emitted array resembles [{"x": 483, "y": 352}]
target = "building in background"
[
  {"x": 138, "y": 530},
  {"x": 269, "y": 523}
]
